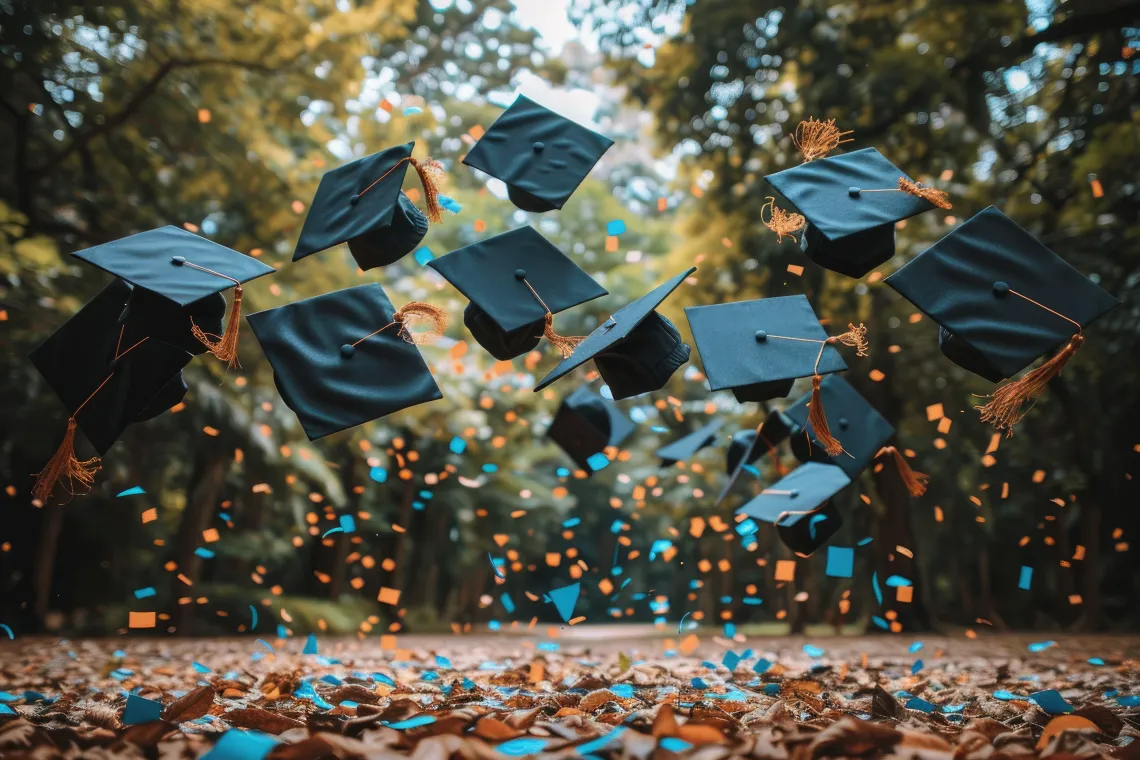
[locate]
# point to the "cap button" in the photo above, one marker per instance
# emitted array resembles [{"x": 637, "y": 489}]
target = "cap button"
[
  {"x": 793, "y": 493},
  {"x": 520, "y": 274},
  {"x": 539, "y": 146},
  {"x": 1001, "y": 289},
  {"x": 854, "y": 192},
  {"x": 761, "y": 336},
  {"x": 347, "y": 350},
  {"x": 610, "y": 324},
  {"x": 178, "y": 260},
  {"x": 354, "y": 200},
  {"x": 843, "y": 422}
]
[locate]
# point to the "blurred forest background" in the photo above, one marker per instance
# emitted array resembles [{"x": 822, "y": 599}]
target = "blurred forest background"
[{"x": 221, "y": 116}]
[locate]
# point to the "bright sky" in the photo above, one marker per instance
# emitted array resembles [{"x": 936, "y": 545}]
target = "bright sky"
[{"x": 548, "y": 18}]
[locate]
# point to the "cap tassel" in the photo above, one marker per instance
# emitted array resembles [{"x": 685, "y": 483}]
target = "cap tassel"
[
  {"x": 1005, "y": 408},
  {"x": 929, "y": 194},
  {"x": 781, "y": 222},
  {"x": 564, "y": 343},
  {"x": 225, "y": 346},
  {"x": 815, "y": 139},
  {"x": 418, "y": 313},
  {"x": 915, "y": 481},
  {"x": 856, "y": 337},
  {"x": 430, "y": 171},
  {"x": 817, "y": 418},
  {"x": 64, "y": 465}
]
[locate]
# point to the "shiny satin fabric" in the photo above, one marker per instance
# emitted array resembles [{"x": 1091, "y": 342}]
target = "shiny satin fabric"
[
  {"x": 683, "y": 448},
  {"x": 851, "y": 419},
  {"x": 541, "y": 156},
  {"x": 332, "y": 390},
  {"x": 645, "y": 360},
  {"x": 956, "y": 283}
]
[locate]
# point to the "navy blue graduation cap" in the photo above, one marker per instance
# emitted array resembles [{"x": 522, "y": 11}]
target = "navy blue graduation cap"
[
  {"x": 361, "y": 204},
  {"x": 1001, "y": 300},
  {"x": 747, "y": 446},
  {"x": 586, "y": 425},
  {"x": 188, "y": 272},
  {"x": 636, "y": 350},
  {"x": 516, "y": 282},
  {"x": 848, "y": 206},
  {"x": 800, "y": 506},
  {"x": 541, "y": 156},
  {"x": 107, "y": 379},
  {"x": 686, "y": 446},
  {"x": 348, "y": 357}
]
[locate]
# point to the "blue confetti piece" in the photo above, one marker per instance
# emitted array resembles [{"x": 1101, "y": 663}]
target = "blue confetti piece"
[
  {"x": 429, "y": 675},
  {"x": 917, "y": 667},
  {"x": 915, "y": 647},
  {"x": 140, "y": 710},
  {"x": 761, "y": 666},
  {"x": 8, "y": 630},
  {"x": 330, "y": 531},
  {"x": 1041, "y": 646},
  {"x": 572, "y": 522},
  {"x": 204, "y": 553},
  {"x": 815, "y": 519},
  {"x": 443, "y": 662},
  {"x": 597, "y": 744},
  {"x": 623, "y": 690},
  {"x": 1025, "y": 580},
  {"x": 306, "y": 691},
  {"x": 199, "y": 667},
  {"x": 132, "y": 491},
  {"x": 897, "y": 580},
  {"x": 457, "y": 445},
  {"x": 564, "y": 599},
  {"x": 878, "y": 591},
  {"x": 954, "y": 708},
  {"x": 812, "y": 651},
  {"x": 348, "y": 523},
  {"x": 616, "y": 526},
  {"x": 1095, "y": 661},
  {"x": 673, "y": 744},
  {"x": 495, "y": 566},
  {"x": 331, "y": 680},
  {"x": 379, "y": 474},
  {"x": 238, "y": 744},
  {"x": 681, "y": 623},
  {"x": 310, "y": 645},
  {"x": 548, "y": 646},
  {"x": 752, "y": 600},
  {"x": 1003, "y": 695},
  {"x": 915, "y": 703},
  {"x": 659, "y": 429},
  {"x": 616, "y": 227},
  {"x": 1129, "y": 701},
  {"x": 772, "y": 689},
  {"x": 5, "y": 710},
  {"x": 413, "y": 111},
  {"x": 450, "y": 204},
  {"x": 730, "y": 660},
  {"x": 524, "y": 745},
  {"x": 266, "y": 645},
  {"x": 508, "y": 603},
  {"x": 145, "y": 593},
  {"x": 562, "y": 472},
  {"x": 880, "y": 622},
  {"x": 864, "y": 541},
  {"x": 660, "y": 546},
  {"x": 423, "y": 256},
  {"x": 597, "y": 462},
  {"x": 1051, "y": 702},
  {"x": 840, "y": 561},
  {"x": 747, "y": 527},
  {"x": 730, "y": 630}
]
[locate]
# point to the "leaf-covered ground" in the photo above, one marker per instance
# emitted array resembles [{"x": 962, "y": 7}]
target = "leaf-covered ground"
[{"x": 601, "y": 696}]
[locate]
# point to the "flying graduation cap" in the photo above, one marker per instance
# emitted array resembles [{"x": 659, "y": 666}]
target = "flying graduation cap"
[
  {"x": 684, "y": 447},
  {"x": 759, "y": 348},
  {"x": 109, "y": 373},
  {"x": 516, "y": 282},
  {"x": 361, "y": 204},
  {"x": 636, "y": 350},
  {"x": 586, "y": 425},
  {"x": 348, "y": 357},
  {"x": 182, "y": 268},
  {"x": 1001, "y": 300},
  {"x": 800, "y": 506},
  {"x": 541, "y": 156},
  {"x": 747, "y": 446},
  {"x": 848, "y": 205}
]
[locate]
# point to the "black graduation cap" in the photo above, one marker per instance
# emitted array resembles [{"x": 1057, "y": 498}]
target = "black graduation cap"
[
  {"x": 851, "y": 204},
  {"x": 800, "y": 507},
  {"x": 104, "y": 381},
  {"x": 182, "y": 268},
  {"x": 541, "y": 156},
  {"x": 747, "y": 446},
  {"x": 758, "y": 348},
  {"x": 851, "y": 417},
  {"x": 636, "y": 350},
  {"x": 516, "y": 282},
  {"x": 683, "y": 448},
  {"x": 585, "y": 425},
  {"x": 1001, "y": 300},
  {"x": 348, "y": 357},
  {"x": 361, "y": 204}
]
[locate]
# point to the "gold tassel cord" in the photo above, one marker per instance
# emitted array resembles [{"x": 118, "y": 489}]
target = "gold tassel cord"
[
  {"x": 914, "y": 480},
  {"x": 431, "y": 175},
  {"x": 64, "y": 464},
  {"x": 815, "y": 139},
  {"x": 564, "y": 343},
  {"x": 1007, "y": 405},
  {"x": 224, "y": 346},
  {"x": 817, "y": 418},
  {"x": 781, "y": 222},
  {"x": 412, "y": 315},
  {"x": 856, "y": 337},
  {"x": 929, "y": 194}
]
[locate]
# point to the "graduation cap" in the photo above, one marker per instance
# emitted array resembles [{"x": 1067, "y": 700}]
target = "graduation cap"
[
  {"x": 182, "y": 268},
  {"x": 105, "y": 382},
  {"x": 747, "y": 446},
  {"x": 848, "y": 206},
  {"x": 516, "y": 282},
  {"x": 800, "y": 507},
  {"x": 683, "y": 448},
  {"x": 636, "y": 350},
  {"x": 586, "y": 425},
  {"x": 361, "y": 204},
  {"x": 1002, "y": 299},
  {"x": 541, "y": 156},
  {"x": 348, "y": 357},
  {"x": 851, "y": 416}
]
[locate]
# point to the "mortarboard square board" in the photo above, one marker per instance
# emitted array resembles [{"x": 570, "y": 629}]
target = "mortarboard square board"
[
  {"x": 585, "y": 425},
  {"x": 747, "y": 446},
  {"x": 800, "y": 507},
  {"x": 851, "y": 418},
  {"x": 636, "y": 350},
  {"x": 504, "y": 277},
  {"x": 744, "y": 345},
  {"x": 541, "y": 156},
  {"x": 975, "y": 283},
  {"x": 681, "y": 449},
  {"x": 361, "y": 204},
  {"x": 328, "y": 382},
  {"x": 848, "y": 230},
  {"x": 78, "y": 362}
]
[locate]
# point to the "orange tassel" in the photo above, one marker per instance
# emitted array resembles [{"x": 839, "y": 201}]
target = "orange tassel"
[
  {"x": 224, "y": 346},
  {"x": 1006, "y": 406},
  {"x": 781, "y": 222},
  {"x": 815, "y": 139},
  {"x": 817, "y": 418},
  {"x": 417, "y": 313},
  {"x": 431, "y": 172},
  {"x": 856, "y": 337},
  {"x": 65, "y": 465},
  {"x": 928, "y": 194},
  {"x": 564, "y": 343},
  {"x": 914, "y": 480}
]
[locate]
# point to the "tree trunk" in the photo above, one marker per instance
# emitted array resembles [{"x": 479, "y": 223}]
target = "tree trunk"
[
  {"x": 44, "y": 567},
  {"x": 207, "y": 477}
]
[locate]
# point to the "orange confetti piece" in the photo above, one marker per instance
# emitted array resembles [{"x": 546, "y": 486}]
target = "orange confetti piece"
[
  {"x": 689, "y": 644},
  {"x": 388, "y": 642},
  {"x": 141, "y": 620},
  {"x": 1097, "y": 188},
  {"x": 480, "y": 225},
  {"x": 1039, "y": 476},
  {"x": 388, "y": 595},
  {"x": 150, "y": 515},
  {"x": 877, "y": 376},
  {"x": 553, "y": 559},
  {"x": 934, "y": 412},
  {"x": 785, "y": 570},
  {"x": 795, "y": 269},
  {"x": 210, "y": 431},
  {"x": 944, "y": 425},
  {"x": 210, "y": 535},
  {"x": 904, "y": 594},
  {"x": 611, "y": 243},
  {"x": 662, "y": 204}
]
